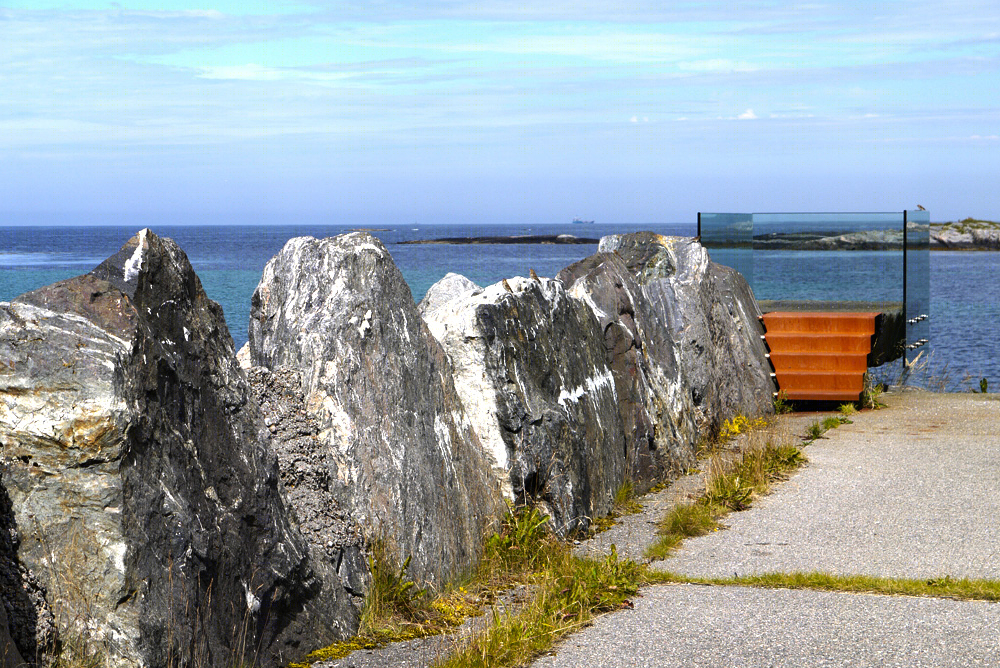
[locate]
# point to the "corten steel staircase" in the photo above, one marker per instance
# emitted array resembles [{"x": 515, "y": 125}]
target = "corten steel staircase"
[{"x": 820, "y": 356}]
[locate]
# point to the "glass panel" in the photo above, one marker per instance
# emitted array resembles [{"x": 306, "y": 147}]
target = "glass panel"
[
  {"x": 828, "y": 261},
  {"x": 728, "y": 238},
  {"x": 917, "y": 286},
  {"x": 834, "y": 262}
]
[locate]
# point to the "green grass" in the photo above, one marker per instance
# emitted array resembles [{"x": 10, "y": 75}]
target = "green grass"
[
  {"x": 390, "y": 593},
  {"x": 834, "y": 421},
  {"x": 944, "y": 587},
  {"x": 684, "y": 521},
  {"x": 625, "y": 502},
  {"x": 569, "y": 592},
  {"x": 729, "y": 487}
]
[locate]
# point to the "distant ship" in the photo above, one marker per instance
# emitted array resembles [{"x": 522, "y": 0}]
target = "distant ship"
[{"x": 577, "y": 221}]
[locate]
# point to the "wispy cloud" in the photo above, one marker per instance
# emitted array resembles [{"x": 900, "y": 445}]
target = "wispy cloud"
[{"x": 455, "y": 76}]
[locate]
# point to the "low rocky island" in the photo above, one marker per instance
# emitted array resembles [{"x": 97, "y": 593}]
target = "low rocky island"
[
  {"x": 516, "y": 239},
  {"x": 861, "y": 240},
  {"x": 967, "y": 234},
  {"x": 166, "y": 501}
]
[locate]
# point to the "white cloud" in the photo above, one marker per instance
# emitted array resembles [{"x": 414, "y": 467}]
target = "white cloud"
[
  {"x": 247, "y": 72},
  {"x": 716, "y": 65},
  {"x": 747, "y": 115}
]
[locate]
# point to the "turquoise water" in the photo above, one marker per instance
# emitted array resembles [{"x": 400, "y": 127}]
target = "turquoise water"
[{"x": 965, "y": 286}]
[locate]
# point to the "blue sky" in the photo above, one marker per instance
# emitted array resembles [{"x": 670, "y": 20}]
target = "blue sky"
[{"x": 497, "y": 111}]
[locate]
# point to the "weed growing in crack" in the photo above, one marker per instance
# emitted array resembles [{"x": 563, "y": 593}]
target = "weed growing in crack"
[
  {"x": 871, "y": 394},
  {"x": 815, "y": 431},
  {"x": 833, "y": 422},
  {"x": 781, "y": 403}
]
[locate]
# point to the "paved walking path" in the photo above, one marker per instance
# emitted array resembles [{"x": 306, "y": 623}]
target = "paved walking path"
[{"x": 912, "y": 490}]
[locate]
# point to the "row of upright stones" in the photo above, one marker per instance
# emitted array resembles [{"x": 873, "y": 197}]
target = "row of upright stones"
[{"x": 174, "y": 509}]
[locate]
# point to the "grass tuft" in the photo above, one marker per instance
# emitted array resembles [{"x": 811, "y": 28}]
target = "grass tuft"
[
  {"x": 396, "y": 609},
  {"x": 729, "y": 486},
  {"x": 391, "y": 595},
  {"x": 833, "y": 422},
  {"x": 624, "y": 503},
  {"x": 781, "y": 403},
  {"x": 872, "y": 393}
]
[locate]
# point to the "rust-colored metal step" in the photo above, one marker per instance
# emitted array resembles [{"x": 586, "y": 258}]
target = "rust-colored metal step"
[
  {"x": 820, "y": 356},
  {"x": 820, "y": 323},
  {"x": 797, "y": 342},
  {"x": 820, "y": 380},
  {"x": 819, "y": 361},
  {"x": 821, "y": 395}
]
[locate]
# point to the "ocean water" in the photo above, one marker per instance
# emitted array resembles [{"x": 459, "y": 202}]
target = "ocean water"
[{"x": 229, "y": 259}]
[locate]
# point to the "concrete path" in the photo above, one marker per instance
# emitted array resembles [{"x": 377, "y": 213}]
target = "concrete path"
[
  {"x": 912, "y": 490},
  {"x": 728, "y": 627}
]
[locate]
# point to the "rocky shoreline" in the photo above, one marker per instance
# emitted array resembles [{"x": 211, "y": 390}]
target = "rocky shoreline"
[
  {"x": 965, "y": 235},
  {"x": 174, "y": 503}
]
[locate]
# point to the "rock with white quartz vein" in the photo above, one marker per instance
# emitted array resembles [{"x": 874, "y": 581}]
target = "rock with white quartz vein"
[
  {"x": 402, "y": 458},
  {"x": 140, "y": 473},
  {"x": 531, "y": 367},
  {"x": 654, "y": 400},
  {"x": 712, "y": 313}
]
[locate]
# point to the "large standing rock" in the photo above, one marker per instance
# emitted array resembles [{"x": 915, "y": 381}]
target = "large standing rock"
[
  {"x": 141, "y": 476},
  {"x": 531, "y": 367},
  {"x": 402, "y": 457},
  {"x": 713, "y": 314},
  {"x": 656, "y": 408},
  {"x": 27, "y": 629}
]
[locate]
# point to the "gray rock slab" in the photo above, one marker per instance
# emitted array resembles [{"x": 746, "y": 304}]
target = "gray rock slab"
[
  {"x": 396, "y": 451},
  {"x": 532, "y": 369},
  {"x": 690, "y": 625},
  {"x": 711, "y": 311},
  {"x": 656, "y": 407},
  {"x": 906, "y": 491}
]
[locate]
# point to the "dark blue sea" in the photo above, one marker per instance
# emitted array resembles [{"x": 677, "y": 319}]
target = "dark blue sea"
[{"x": 229, "y": 259}]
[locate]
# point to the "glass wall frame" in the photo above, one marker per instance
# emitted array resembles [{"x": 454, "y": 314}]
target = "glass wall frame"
[{"x": 837, "y": 261}]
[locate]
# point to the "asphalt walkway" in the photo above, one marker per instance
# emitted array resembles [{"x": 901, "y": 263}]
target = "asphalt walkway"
[{"x": 909, "y": 491}]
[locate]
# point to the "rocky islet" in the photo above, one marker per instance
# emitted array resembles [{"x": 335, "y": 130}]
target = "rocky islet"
[{"x": 208, "y": 512}]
